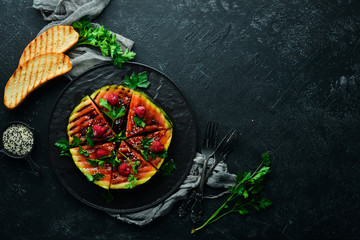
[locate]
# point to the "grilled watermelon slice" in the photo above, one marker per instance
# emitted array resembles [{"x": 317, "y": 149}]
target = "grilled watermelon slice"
[
  {"x": 87, "y": 169},
  {"x": 143, "y": 170},
  {"x": 85, "y": 116},
  {"x": 154, "y": 118},
  {"x": 138, "y": 142},
  {"x": 123, "y": 99}
]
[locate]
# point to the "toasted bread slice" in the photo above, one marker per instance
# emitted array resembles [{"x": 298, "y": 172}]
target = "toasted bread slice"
[
  {"x": 57, "y": 39},
  {"x": 32, "y": 74}
]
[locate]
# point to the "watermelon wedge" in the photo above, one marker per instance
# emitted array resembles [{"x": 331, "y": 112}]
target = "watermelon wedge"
[
  {"x": 83, "y": 118},
  {"x": 152, "y": 118},
  {"x": 140, "y": 170},
  {"x": 123, "y": 98},
  {"x": 146, "y": 142},
  {"x": 88, "y": 169}
]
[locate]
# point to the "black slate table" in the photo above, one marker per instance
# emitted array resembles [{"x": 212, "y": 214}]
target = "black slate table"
[{"x": 285, "y": 73}]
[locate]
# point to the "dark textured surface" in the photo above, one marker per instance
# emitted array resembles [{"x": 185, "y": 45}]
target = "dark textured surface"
[
  {"x": 182, "y": 148},
  {"x": 284, "y": 72}
]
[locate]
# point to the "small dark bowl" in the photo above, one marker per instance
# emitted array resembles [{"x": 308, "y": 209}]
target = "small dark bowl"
[{"x": 35, "y": 168}]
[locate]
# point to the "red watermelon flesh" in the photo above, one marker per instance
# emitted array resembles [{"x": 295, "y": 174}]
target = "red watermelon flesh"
[
  {"x": 155, "y": 118},
  {"x": 86, "y": 168},
  {"x": 163, "y": 136},
  {"x": 123, "y": 99},
  {"x": 84, "y": 117},
  {"x": 144, "y": 171}
]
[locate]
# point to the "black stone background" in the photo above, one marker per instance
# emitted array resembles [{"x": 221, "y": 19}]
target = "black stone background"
[{"x": 285, "y": 73}]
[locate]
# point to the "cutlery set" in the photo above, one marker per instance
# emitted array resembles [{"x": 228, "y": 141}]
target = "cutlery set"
[{"x": 210, "y": 149}]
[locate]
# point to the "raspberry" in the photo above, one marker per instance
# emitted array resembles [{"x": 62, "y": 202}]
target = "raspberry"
[
  {"x": 157, "y": 147},
  {"x": 112, "y": 99},
  {"x": 101, "y": 153},
  {"x": 124, "y": 169},
  {"x": 98, "y": 131},
  {"x": 140, "y": 111}
]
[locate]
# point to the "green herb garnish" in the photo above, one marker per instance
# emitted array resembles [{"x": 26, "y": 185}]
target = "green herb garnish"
[
  {"x": 94, "y": 177},
  {"x": 132, "y": 181},
  {"x": 137, "y": 80},
  {"x": 83, "y": 152},
  {"x": 112, "y": 112},
  {"x": 242, "y": 194},
  {"x": 118, "y": 137},
  {"x": 103, "y": 39},
  {"x": 89, "y": 137},
  {"x": 168, "y": 168},
  {"x": 112, "y": 159},
  {"x": 139, "y": 121}
]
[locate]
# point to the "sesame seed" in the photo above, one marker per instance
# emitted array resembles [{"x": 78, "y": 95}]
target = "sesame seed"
[{"x": 18, "y": 139}]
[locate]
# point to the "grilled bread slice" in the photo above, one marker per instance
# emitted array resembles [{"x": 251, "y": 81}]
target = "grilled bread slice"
[
  {"x": 57, "y": 39},
  {"x": 32, "y": 74}
]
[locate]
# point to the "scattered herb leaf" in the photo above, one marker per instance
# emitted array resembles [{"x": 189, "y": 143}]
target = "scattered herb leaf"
[
  {"x": 139, "y": 121},
  {"x": 83, "y": 152},
  {"x": 168, "y": 168},
  {"x": 137, "y": 80},
  {"x": 94, "y": 177},
  {"x": 107, "y": 196},
  {"x": 117, "y": 138}
]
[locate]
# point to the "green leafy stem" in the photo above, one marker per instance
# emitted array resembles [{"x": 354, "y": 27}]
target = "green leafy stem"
[
  {"x": 241, "y": 195},
  {"x": 103, "y": 39}
]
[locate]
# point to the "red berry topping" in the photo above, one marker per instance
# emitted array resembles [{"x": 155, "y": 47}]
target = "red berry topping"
[
  {"x": 140, "y": 111},
  {"x": 112, "y": 99},
  {"x": 98, "y": 131},
  {"x": 157, "y": 147},
  {"x": 124, "y": 169},
  {"x": 101, "y": 153}
]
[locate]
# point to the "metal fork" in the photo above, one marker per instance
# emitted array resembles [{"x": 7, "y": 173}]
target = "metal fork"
[
  {"x": 208, "y": 146},
  {"x": 224, "y": 149}
]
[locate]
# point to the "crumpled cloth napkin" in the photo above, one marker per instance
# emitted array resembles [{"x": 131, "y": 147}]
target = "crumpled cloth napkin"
[
  {"x": 220, "y": 178},
  {"x": 65, "y": 12}
]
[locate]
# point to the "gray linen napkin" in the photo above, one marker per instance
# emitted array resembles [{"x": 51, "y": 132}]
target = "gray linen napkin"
[
  {"x": 65, "y": 12},
  {"x": 220, "y": 178}
]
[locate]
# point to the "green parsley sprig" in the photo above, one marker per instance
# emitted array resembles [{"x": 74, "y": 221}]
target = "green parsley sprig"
[
  {"x": 112, "y": 112},
  {"x": 94, "y": 177},
  {"x": 103, "y": 39},
  {"x": 131, "y": 178},
  {"x": 244, "y": 194},
  {"x": 140, "y": 122},
  {"x": 136, "y": 80},
  {"x": 64, "y": 145}
]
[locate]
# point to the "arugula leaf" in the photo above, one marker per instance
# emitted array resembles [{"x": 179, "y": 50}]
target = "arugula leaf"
[
  {"x": 168, "y": 168},
  {"x": 136, "y": 80},
  {"x": 139, "y": 121},
  {"x": 244, "y": 193},
  {"x": 103, "y": 39}
]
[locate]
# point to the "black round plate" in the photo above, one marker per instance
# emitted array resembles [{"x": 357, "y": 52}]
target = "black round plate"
[{"x": 182, "y": 148}]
